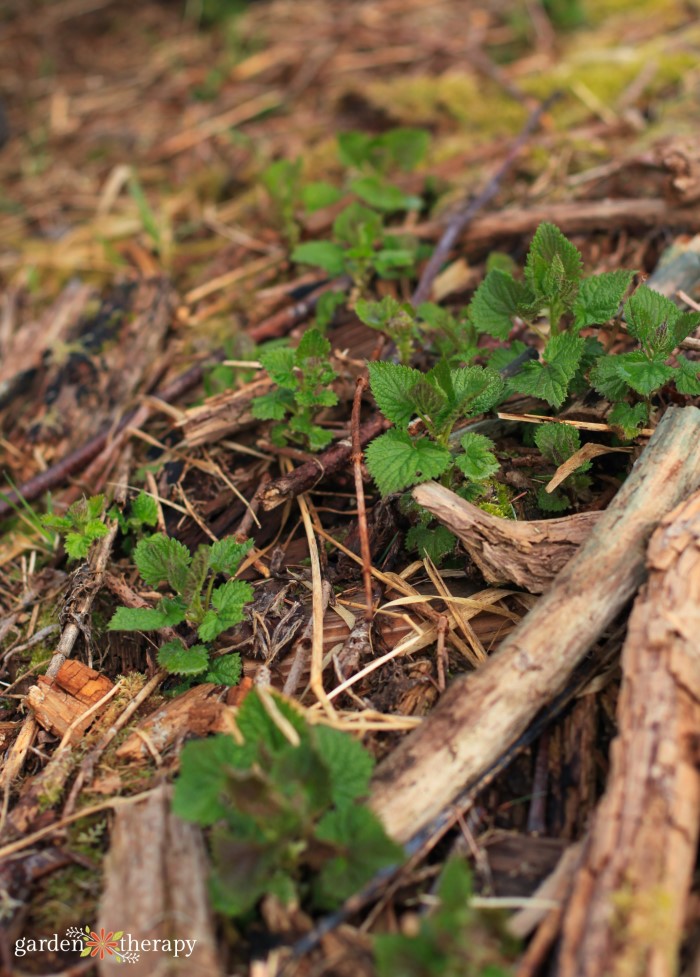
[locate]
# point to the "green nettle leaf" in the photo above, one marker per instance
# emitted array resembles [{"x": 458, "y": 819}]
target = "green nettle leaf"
[
  {"x": 685, "y": 324},
  {"x": 478, "y": 461},
  {"x": 225, "y": 670},
  {"x": 599, "y": 297},
  {"x": 396, "y": 461},
  {"x": 406, "y": 146},
  {"x": 687, "y": 376},
  {"x": 354, "y": 148},
  {"x": 322, "y": 254},
  {"x": 365, "y": 849},
  {"x": 435, "y": 541},
  {"x": 178, "y": 660},
  {"x": 160, "y": 559},
  {"x": 200, "y": 790},
  {"x": 357, "y": 225},
  {"x": 604, "y": 378},
  {"x": 348, "y": 762},
  {"x": 225, "y": 556},
  {"x": 60, "y": 523},
  {"x": 273, "y": 406},
  {"x": 77, "y": 545},
  {"x": 279, "y": 363},
  {"x": 641, "y": 373},
  {"x": 326, "y": 308},
  {"x": 552, "y": 501},
  {"x": 476, "y": 389},
  {"x": 378, "y": 314},
  {"x": 550, "y": 379},
  {"x": 166, "y": 614},
  {"x": 391, "y": 386},
  {"x": 427, "y": 398},
  {"x": 557, "y": 442},
  {"x": 312, "y": 345},
  {"x": 389, "y": 259},
  {"x": 383, "y": 195},
  {"x": 629, "y": 418},
  {"x": 144, "y": 510},
  {"x": 315, "y": 196},
  {"x": 554, "y": 264},
  {"x": 650, "y": 318},
  {"x": 496, "y": 301},
  {"x": 229, "y": 601}
]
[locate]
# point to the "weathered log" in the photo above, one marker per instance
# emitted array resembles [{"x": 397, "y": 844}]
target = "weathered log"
[
  {"x": 627, "y": 908},
  {"x": 484, "y": 713},
  {"x": 156, "y": 889},
  {"x": 529, "y": 554}
]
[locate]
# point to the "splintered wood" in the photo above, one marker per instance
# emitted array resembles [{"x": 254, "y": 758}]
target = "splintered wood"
[
  {"x": 64, "y": 702},
  {"x": 626, "y": 912},
  {"x": 482, "y": 714},
  {"x": 529, "y": 554}
]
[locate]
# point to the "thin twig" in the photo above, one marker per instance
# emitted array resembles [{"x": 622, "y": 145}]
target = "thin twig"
[
  {"x": 317, "y": 610},
  {"x": 360, "y": 495},
  {"x": 463, "y": 217}
]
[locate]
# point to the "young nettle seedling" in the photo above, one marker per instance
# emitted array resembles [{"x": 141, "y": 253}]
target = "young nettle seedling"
[
  {"x": 373, "y": 158},
  {"x": 195, "y": 598},
  {"x": 81, "y": 525},
  {"x": 303, "y": 377},
  {"x": 395, "y": 320},
  {"x": 284, "y": 797},
  {"x": 557, "y": 443},
  {"x": 282, "y": 180},
  {"x": 360, "y": 246},
  {"x": 408, "y": 454}
]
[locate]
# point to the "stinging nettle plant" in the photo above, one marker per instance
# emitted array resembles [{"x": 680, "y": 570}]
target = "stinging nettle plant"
[{"x": 195, "y": 599}]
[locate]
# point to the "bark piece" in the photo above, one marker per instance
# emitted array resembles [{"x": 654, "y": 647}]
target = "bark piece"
[
  {"x": 627, "y": 908},
  {"x": 223, "y": 414},
  {"x": 198, "y": 711},
  {"x": 57, "y": 703},
  {"x": 529, "y": 554},
  {"x": 484, "y": 713},
  {"x": 156, "y": 889}
]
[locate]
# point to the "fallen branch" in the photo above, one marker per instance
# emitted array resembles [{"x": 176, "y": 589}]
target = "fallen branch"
[
  {"x": 529, "y": 554},
  {"x": 329, "y": 462},
  {"x": 483, "y": 713},
  {"x": 628, "y": 905}
]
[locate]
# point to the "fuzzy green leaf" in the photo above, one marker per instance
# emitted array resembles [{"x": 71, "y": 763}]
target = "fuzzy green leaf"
[
  {"x": 357, "y": 225},
  {"x": 273, "y": 406},
  {"x": 550, "y": 379},
  {"x": 77, "y": 545},
  {"x": 279, "y": 363},
  {"x": 225, "y": 556},
  {"x": 59, "y": 523},
  {"x": 348, "y": 762},
  {"x": 605, "y": 378},
  {"x": 178, "y": 660},
  {"x": 315, "y": 196},
  {"x": 200, "y": 789},
  {"x": 322, "y": 254},
  {"x": 392, "y": 386},
  {"x": 557, "y": 442},
  {"x": 161, "y": 558},
  {"x": 165, "y": 614},
  {"x": 378, "y": 314},
  {"x": 384, "y": 196},
  {"x": 396, "y": 461},
  {"x": 364, "y": 849},
  {"x": 650, "y": 319},
  {"x": 496, "y": 301},
  {"x": 599, "y": 297},
  {"x": 476, "y": 390},
  {"x": 629, "y": 419},
  {"x": 313, "y": 345},
  {"x": 478, "y": 461},
  {"x": 225, "y": 670},
  {"x": 687, "y": 376},
  {"x": 552, "y": 501},
  {"x": 144, "y": 510},
  {"x": 435, "y": 542},
  {"x": 553, "y": 266},
  {"x": 684, "y": 325},
  {"x": 229, "y": 601},
  {"x": 405, "y": 146},
  {"x": 642, "y": 374}
]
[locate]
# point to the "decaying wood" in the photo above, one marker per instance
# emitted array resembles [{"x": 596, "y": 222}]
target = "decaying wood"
[
  {"x": 65, "y": 701},
  {"x": 627, "y": 909},
  {"x": 484, "y": 713},
  {"x": 329, "y": 462},
  {"x": 579, "y": 217},
  {"x": 197, "y": 712},
  {"x": 529, "y": 554},
  {"x": 156, "y": 888},
  {"x": 223, "y": 414}
]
